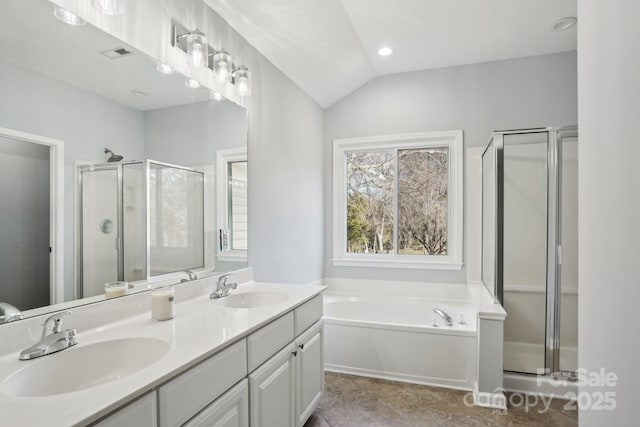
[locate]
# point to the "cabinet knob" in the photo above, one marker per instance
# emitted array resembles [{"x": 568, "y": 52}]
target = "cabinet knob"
[
  {"x": 301, "y": 346},
  {"x": 295, "y": 352}
]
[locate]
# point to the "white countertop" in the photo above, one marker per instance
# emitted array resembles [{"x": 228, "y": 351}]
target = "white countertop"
[{"x": 201, "y": 327}]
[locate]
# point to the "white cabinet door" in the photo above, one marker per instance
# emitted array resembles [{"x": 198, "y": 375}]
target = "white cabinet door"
[
  {"x": 272, "y": 391},
  {"x": 310, "y": 372},
  {"x": 140, "y": 413},
  {"x": 229, "y": 410}
]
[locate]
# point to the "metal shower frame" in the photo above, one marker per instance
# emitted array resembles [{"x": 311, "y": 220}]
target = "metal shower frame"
[
  {"x": 555, "y": 135},
  {"x": 120, "y": 213}
]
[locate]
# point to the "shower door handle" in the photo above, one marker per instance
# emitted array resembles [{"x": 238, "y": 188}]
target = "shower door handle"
[{"x": 559, "y": 254}]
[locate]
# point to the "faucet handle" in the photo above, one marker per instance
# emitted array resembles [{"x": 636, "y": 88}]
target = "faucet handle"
[
  {"x": 56, "y": 319},
  {"x": 224, "y": 276},
  {"x": 191, "y": 274}
]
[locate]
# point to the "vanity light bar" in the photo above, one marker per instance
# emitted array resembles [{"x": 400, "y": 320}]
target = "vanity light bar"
[{"x": 218, "y": 61}]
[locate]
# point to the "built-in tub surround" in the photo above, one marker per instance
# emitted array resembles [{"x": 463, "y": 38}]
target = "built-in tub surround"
[
  {"x": 389, "y": 330},
  {"x": 201, "y": 328}
]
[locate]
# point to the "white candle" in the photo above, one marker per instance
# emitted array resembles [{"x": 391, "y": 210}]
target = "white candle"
[
  {"x": 162, "y": 304},
  {"x": 115, "y": 292},
  {"x": 115, "y": 289}
]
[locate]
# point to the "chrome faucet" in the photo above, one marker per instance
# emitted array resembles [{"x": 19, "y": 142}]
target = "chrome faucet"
[
  {"x": 191, "y": 274},
  {"x": 447, "y": 319},
  {"x": 223, "y": 287},
  {"x": 9, "y": 313},
  {"x": 53, "y": 341}
]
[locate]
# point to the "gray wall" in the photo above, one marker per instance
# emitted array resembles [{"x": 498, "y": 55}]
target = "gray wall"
[
  {"x": 286, "y": 210},
  {"x": 191, "y": 134},
  {"x": 479, "y": 98},
  {"x": 87, "y": 123},
  {"x": 609, "y": 206},
  {"x": 24, "y": 224}
]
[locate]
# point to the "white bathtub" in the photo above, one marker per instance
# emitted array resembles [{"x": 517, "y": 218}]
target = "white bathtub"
[{"x": 394, "y": 338}]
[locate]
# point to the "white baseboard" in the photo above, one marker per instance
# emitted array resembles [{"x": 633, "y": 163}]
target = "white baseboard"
[{"x": 411, "y": 379}]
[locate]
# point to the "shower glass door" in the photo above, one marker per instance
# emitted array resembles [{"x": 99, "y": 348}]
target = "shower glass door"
[
  {"x": 568, "y": 254},
  {"x": 525, "y": 250},
  {"x": 175, "y": 218},
  {"x": 100, "y": 245},
  {"x": 530, "y": 245}
]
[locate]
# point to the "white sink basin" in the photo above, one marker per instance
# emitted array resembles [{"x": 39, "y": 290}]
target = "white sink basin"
[
  {"x": 81, "y": 367},
  {"x": 253, "y": 299}
]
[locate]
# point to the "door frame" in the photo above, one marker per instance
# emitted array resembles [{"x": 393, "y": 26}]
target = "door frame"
[{"x": 56, "y": 207}]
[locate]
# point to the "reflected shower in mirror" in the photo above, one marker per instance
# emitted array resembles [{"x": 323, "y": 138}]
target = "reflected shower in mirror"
[
  {"x": 80, "y": 103},
  {"x": 123, "y": 203}
]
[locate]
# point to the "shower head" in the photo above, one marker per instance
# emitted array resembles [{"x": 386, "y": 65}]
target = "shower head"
[{"x": 114, "y": 157}]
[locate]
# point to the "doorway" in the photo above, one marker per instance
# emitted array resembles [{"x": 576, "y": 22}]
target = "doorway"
[{"x": 30, "y": 223}]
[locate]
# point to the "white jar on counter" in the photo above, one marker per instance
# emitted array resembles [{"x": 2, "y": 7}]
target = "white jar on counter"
[{"x": 162, "y": 303}]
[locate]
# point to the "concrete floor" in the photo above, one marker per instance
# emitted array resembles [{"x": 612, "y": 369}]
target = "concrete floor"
[{"x": 351, "y": 401}]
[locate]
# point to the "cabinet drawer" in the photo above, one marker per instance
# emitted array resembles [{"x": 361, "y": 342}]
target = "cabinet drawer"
[
  {"x": 231, "y": 409},
  {"x": 140, "y": 413},
  {"x": 265, "y": 342},
  {"x": 184, "y": 396},
  {"x": 308, "y": 314}
]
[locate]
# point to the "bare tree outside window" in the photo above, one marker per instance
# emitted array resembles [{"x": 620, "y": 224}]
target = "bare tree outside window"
[
  {"x": 422, "y": 183},
  {"x": 370, "y": 182},
  {"x": 422, "y": 201}
]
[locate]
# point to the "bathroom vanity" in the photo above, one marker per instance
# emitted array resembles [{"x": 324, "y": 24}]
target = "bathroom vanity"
[{"x": 254, "y": 357}]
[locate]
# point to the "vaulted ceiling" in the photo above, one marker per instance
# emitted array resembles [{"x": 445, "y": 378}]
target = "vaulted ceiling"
[{"x": 330, "y": 47}]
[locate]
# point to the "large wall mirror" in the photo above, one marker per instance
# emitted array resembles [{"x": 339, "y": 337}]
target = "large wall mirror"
[{"x": 109, "y": 169}]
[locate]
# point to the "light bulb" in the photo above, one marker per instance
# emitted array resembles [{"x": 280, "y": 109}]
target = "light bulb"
[
  {"x": 108, "y": 7},
  {"x": 222, "y": 63},
  {"x": 242, "y": 81},
  {"x": 197, "y": 49},
  {"x": 67, "y": 17}
]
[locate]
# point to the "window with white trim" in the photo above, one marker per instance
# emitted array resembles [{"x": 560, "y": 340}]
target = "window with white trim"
[
  {"x": 397, "y": 201},
  {"x": 232, "y": 204}
]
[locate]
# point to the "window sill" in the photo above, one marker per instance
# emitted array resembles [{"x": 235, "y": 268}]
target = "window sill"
[
  {"x": 396, "y": 263},
  {"x": 231, "y": 258}
]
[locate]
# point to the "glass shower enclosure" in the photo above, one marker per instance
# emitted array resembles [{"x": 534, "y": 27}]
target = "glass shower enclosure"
[
  {"x": 530, "y": 245},
  {"x": 137, "y": 220}
]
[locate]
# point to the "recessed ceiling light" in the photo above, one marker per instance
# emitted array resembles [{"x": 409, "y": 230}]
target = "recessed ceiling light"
[
  {"x": 165, "y": 69},
  {"x": 67, "y": 17},
  {"x": 563, "y": 24},
  {"x": 139, "y": 93},
  {"x": 191, "y": 83},
  {"x": 215, "y": 95},
  {"x": 385, "y": 51}
]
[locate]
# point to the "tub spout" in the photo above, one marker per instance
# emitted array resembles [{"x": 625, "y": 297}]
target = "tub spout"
[{"x": 447, "y": 319}]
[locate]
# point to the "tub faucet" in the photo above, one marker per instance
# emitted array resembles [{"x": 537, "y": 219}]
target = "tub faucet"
[
  {"x": 447, "y": 319},
  {"x": 223, "y": 287},
  {"x": 9, "y": 313},
  {"x": 53, "y": 341}
]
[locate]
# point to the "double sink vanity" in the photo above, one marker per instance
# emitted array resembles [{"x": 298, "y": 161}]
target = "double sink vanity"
[{"x": 253, "y": 357}]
